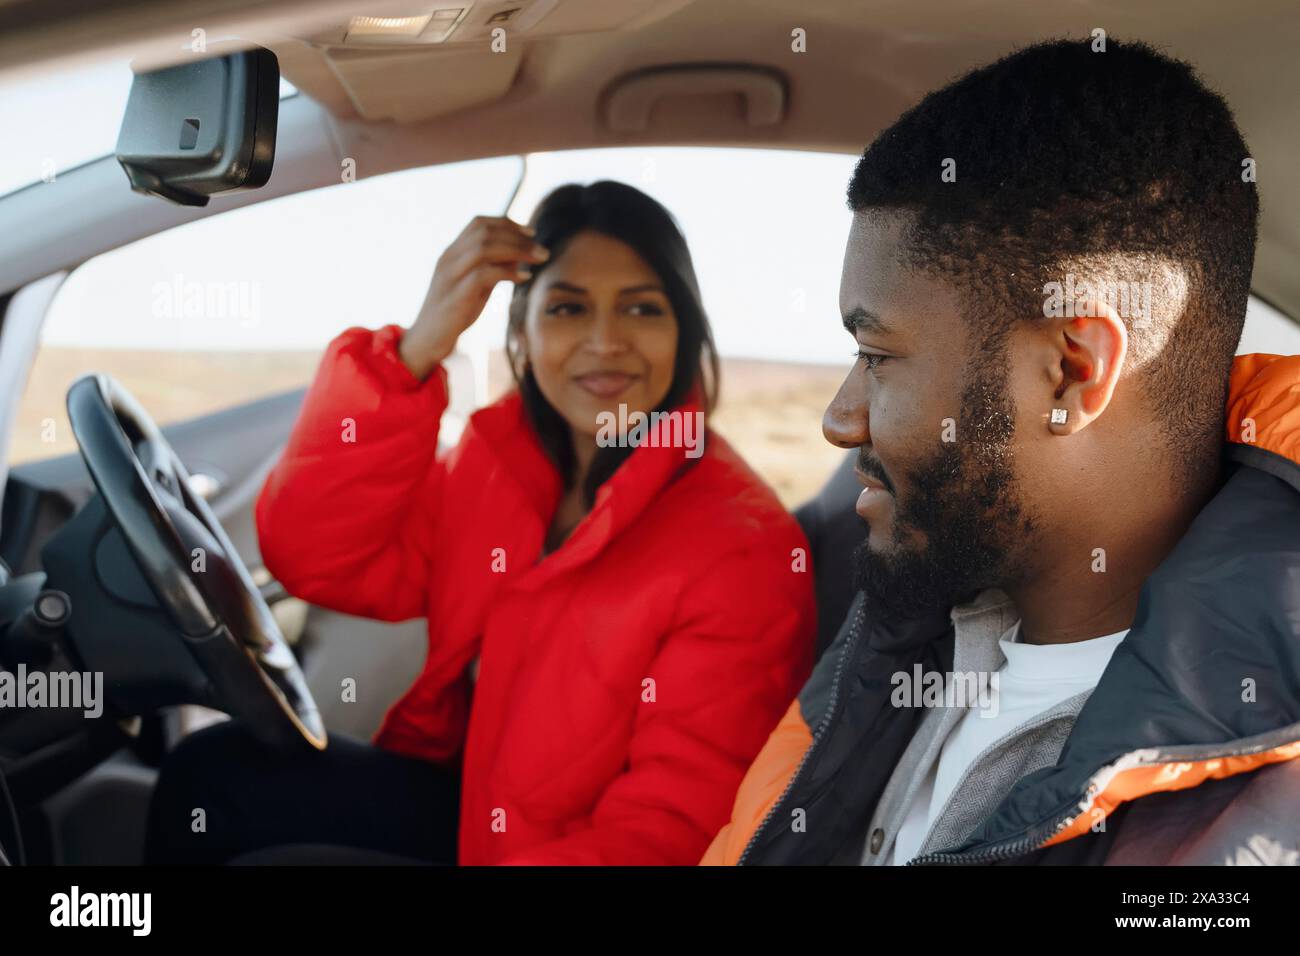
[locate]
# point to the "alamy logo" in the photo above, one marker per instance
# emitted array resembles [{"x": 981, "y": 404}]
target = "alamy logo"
[
  {"x": 55, "y": 689},
  {"x": 965, "y": 689},
  {"x": 674, "y": 429},
  {"x": 74, "y": 908},
  {"x": 184, "y": 298},
  {"x": 1078, "y": 297}
]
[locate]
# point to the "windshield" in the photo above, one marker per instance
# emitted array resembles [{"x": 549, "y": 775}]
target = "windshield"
[{"x": 55, "y": 122}]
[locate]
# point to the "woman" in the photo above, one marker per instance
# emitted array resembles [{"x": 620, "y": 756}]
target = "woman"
[{"x": 618, "y": 615}]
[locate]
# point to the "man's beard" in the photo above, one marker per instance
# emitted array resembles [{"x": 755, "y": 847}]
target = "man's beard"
[{"x": 965, "y": 504}]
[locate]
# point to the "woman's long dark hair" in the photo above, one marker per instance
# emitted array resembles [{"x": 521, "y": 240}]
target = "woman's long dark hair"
[{"x": 630, "y": 216}]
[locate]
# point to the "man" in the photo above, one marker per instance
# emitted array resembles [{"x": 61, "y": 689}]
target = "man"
[{"x": 1046, "y": 276}]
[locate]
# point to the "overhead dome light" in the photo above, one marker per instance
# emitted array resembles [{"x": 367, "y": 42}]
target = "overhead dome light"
[
  {"x": 431, "y": 27},
  {"x": 388, "y": 26}
]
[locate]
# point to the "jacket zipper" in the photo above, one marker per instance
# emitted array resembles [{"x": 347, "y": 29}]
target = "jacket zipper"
[
  {"x": 1000, "y": 851},
  {"x": 1042, "y": 720},
  {"x": 1027, "y": 844},
  {"x": 818, "y": 734}
]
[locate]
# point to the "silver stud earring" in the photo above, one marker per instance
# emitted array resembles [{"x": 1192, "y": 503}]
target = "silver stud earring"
[{"x": 1059, "y": 415}]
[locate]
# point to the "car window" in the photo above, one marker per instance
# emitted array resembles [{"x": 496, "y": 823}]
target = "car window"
[
  {"x": 231, "y": 308},
  {"x": 1268, "y": 330}
]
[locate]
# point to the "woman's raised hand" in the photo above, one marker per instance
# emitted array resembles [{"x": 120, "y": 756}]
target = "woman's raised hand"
[{"x": 489, "y": 250}]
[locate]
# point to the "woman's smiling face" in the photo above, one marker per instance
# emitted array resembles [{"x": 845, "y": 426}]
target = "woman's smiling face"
[{"x": 599, "y": 332}]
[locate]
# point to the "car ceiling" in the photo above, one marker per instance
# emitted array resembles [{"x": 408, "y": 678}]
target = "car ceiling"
[{"x": 556, "y": 85}]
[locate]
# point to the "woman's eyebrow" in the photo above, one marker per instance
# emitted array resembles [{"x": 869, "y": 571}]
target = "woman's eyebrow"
[
  {"x": 562, "y": 286},
  {"x": 860, "y": 320}
]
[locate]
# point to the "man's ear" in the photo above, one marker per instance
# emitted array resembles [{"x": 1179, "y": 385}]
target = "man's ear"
[{"x": 1087, "y": 357}]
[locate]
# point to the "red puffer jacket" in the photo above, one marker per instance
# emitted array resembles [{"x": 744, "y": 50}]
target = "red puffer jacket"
[{"x": 627, "y": 680}]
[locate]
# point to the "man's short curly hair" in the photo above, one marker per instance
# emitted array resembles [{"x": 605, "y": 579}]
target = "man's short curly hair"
[{"x": 1117, "y": 165}]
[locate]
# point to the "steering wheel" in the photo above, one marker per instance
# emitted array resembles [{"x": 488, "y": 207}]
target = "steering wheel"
[{"x": 170, "y": 530}]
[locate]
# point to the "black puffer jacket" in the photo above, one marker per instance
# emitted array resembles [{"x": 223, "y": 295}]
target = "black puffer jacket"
[{"x": 1187, "y": 746}]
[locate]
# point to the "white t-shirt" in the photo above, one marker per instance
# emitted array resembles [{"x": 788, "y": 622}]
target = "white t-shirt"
[{"x": 1033, "y": 679}]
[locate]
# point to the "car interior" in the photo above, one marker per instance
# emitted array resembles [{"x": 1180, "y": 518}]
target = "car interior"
[{"x": 93, "y": 540}]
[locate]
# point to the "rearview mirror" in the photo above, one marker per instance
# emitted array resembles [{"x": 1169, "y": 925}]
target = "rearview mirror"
[{"x": 198, "y": 129}]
